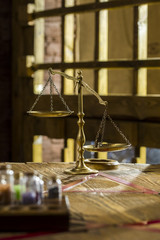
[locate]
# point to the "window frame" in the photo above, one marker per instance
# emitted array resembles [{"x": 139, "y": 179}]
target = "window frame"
[{"x": 137, "y": 121}]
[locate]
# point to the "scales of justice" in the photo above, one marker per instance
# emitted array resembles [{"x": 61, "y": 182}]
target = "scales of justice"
[{"x": 82, "y": 165}]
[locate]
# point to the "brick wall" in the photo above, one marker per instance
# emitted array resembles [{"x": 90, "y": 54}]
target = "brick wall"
[{"x": 5, "y": 80}]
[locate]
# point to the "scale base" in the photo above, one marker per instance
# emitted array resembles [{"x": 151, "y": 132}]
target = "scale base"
[
  {"x": 81, "y": 170},
  {"x": 102, "y": 164}
]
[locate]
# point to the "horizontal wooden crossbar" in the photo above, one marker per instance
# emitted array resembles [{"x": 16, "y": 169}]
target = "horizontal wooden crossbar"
[
  {"x": 92, "y": 7},
  {"x": 142, "y": 108},
  {"x": 137, "y": 117},
  {"x": 148, "y": 63}
]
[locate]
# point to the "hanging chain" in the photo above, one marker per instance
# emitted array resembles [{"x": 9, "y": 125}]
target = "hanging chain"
[
  {"x": 117, "y": 128},
  {"x": 37, "y": 99},
  {"x": 63, "y": 101},
  {"x": 102, "y": 129},
  {"x": 51, "y": 96}
]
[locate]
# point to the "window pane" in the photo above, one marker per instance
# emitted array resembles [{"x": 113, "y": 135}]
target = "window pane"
[
  {"x": 52, "y": 36},
  {"x": 52, "y": 149},
  {"x": 142, "y": 31},
  {"x": 154, "y": 30},
  {"x": 88, "y": 77},
  {"x": 103, "y": 81},
  {"x": 50, "y": 4},
  {"x": 153, "y": 81},
  {"x": 120, "y": 33},
  {"x": 47, "y": 42},
  {"x": 142, "y": 82},
  {"x": 103, "y": 35},
  {"x": 47, "y": 149},
  {"x": 79, "y": 2},
  {"x": 124, "y": 156},
  {"x": 85, "y": 41},
  {"x": 120, "y": 81},
  {"x": 69, "y": 38},
  {"x": 40, "y": 79},
  {"x": 153, "y": 156}
]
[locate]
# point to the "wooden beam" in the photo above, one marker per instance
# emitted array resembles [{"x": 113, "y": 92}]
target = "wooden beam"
[
  {"x": 92, "y": 7},
  {"x": 148, "y": 63},
  {"x": 135, "y": 131},
  {"x": 135, "y": 116},
  {"x": 149, "y": 134},
  {"x": 119, "y": 107},
  {"x": 68, "y": 128}
]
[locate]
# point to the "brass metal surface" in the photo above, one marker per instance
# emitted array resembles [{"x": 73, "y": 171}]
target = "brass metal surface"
[
  {"x": 49, "y": 113},
  {"x": 101, "y": 164},
  {"x": 106, "y": 147},
  {"x": 80, "y": 168}
]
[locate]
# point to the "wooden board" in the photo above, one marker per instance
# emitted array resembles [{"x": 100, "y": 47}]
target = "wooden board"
[{"x": 103, "y": 208}]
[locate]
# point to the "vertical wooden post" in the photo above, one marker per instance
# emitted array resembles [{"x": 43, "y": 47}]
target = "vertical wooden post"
[
  {"x": 21, "y": 131},
  {"x": 39, "y": 75},
  {"x": 140, "y": 75},
  {"x": 102, "y": 55},
  {"x": 68, "y": 56}
]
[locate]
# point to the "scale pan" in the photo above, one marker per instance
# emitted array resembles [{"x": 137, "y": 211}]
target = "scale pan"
[
  {"x": 107, "y": 147},
  {"x": 50, "y": 114}
]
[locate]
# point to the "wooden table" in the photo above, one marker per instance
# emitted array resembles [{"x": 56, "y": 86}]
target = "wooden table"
[{"x": 114, "y": 204}]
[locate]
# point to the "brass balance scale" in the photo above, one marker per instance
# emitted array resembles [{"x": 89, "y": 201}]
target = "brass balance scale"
[{"x": 83, "y": 166}]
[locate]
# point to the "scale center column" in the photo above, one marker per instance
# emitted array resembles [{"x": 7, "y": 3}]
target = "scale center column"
[
  {"x": 81, "y": 136},
  {"x": 80, "y": 168}
]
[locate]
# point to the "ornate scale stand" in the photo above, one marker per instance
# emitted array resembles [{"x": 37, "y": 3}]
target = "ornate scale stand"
[{"x": 101, "y": 146}]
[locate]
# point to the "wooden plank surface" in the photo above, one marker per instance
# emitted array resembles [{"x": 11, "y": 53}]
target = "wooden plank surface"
[
  {"x": 134, "y": 116},
  {"x": 101, "y": 208},
  {"x": 147, "y": 63},
  {"x": 120, "y": 107}
]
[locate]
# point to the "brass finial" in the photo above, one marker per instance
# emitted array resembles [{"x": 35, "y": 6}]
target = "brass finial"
[{"x": 79, "y": 73}]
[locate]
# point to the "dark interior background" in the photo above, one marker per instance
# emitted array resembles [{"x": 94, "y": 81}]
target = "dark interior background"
[{"x": 5, "y": 79}]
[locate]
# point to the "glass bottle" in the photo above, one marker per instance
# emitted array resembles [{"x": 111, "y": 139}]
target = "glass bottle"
[
  {"x": 29, "y": 196},
  {"x": 18, "y": 187},
  {"x": 6, "y": 184},
  {"x": 41, "y": 182},
  {"x": 39, "y": 188},
  {"x": 54, "y": 187}
]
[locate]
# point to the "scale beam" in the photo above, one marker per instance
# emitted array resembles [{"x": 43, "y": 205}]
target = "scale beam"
[{"x": 84, "y": 84}]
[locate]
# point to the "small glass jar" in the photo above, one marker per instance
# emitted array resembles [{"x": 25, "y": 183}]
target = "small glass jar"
[
  {"x": 18, "y": 188},
  {"x": 29, "y": 196},
  {"x": 54, "y": 187},
  {"x": 6, "y": 184},
  {"x": 40, "y": 188}
]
